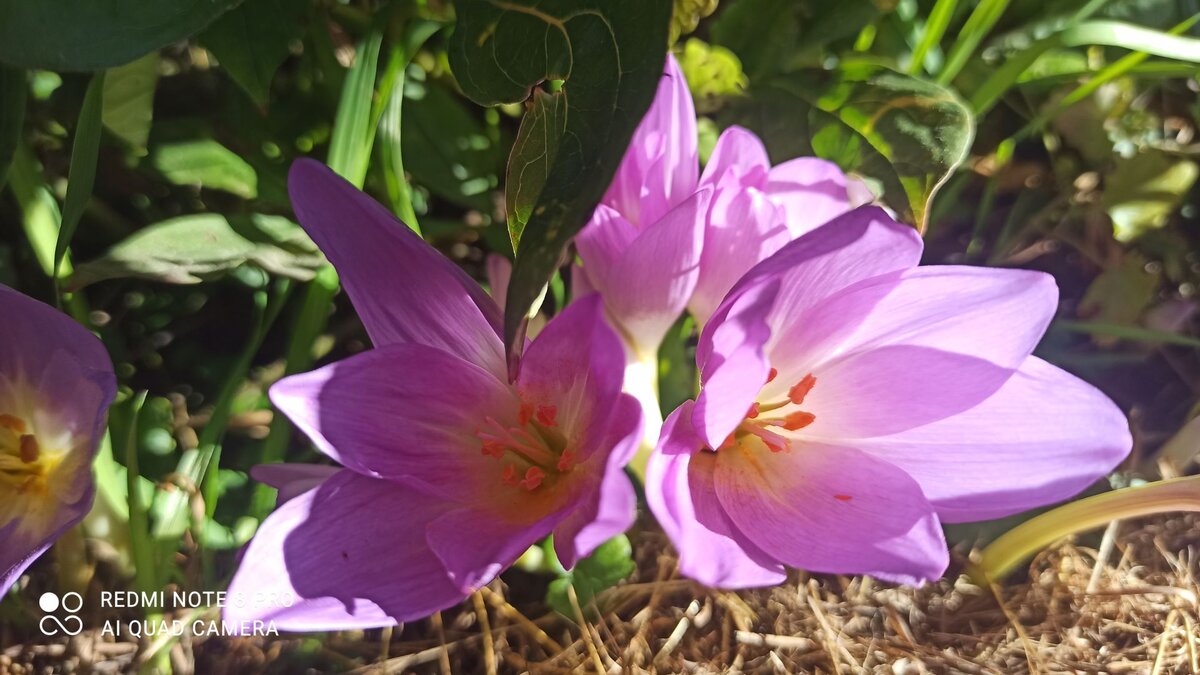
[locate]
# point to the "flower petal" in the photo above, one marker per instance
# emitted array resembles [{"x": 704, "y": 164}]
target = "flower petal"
[
  {"x": 1043, "y": 437},
  {"x": 661, "y": 166},
  {"x": 600, "y": 245},
  {"x": 679, "y": 490},
  {"x": 737, "y": 150},
  {"x": 351, "y": 554},
  {"x": 476, "y": 545},
  {"x": 404, "y": 290},
  {"x": 499, "y": 273},
  {"x": 831, "y": 509},
  {"x": 811, "y": 192},
  {"x": 404, "y": 412},
  {"x": 292, "y": 480},
  {"x": 651, "y": 283},
  {"x": 25, "y": 541}
]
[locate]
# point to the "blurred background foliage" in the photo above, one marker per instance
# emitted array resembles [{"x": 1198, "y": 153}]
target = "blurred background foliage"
[{"x": 144, "y": 187}]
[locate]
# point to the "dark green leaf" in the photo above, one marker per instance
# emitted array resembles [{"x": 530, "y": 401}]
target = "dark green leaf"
[
  {"x": 905, "y": 133},
  {"x": 252, "y": 41},
  {"x": 187, "y": 249},
  {"x": 1143, "y": 191},
  {"x": 84, "y": 153},
  {"x": 607, "y": 566},
  {"x": 96, "y": 34},
  {"x": 609, "y": 55},
  {"x": 533, "y": 157},
  {"x": 129, "y": 101},
  {"x": 14, "y": 89},
  {"x": 208, "y": 164}
]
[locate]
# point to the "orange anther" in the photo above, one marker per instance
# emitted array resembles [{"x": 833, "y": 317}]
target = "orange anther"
[
  {"x": 14, "y": 424},
  {"x": 493, "y": 449},
  {"x": 772, "y": 375},
  {"x": 29, "y": 449},
  {"x": 753, "y": 411},
  {"x": 843, "y": 498},
  {"x": 533, "y": 478},
  {"x": 798, "y": 420},
  {"x": 566, "y": 461},
  {"x": 546, "y": 415},
  {"x": 509, "y": 477},
  {"x": 524, "y": 414},
  {"x": 797, "y": 393}
]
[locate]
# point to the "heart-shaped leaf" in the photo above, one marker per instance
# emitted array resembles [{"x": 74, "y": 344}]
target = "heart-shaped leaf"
[
  {"x": 96, "y": 34},
  {"x": 253, "y": 40},
  {"x": 609, "y": 56}
]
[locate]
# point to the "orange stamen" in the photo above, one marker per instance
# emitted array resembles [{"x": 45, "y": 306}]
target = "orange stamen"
[
  {"x": 524, "y": 414},
  {"x": 29, "y": 449},
  {"x": 509, "y": 477},
  {"x": 843, "y": 498},
  {"x": 493, "y": 449},
  {"x": 546, "y": 415},
  {"x": 798, "y": 420},
  {"x": 773, "y": 441},
  {"x": 753, "y": 412},
  {"x": 773, "y": 374},
  {"x": 567, "y": 461},
  {"x": 14, "y": 424},
  {"x": 533, "y": 478},
  {"x": 797, "y": 393}
]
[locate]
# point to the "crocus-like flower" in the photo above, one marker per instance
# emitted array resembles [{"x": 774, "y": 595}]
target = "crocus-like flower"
[
  {"x": 56, "y": 383},
  {"x": 851, "y": 402},
  {"x": 450, "y": 471}
]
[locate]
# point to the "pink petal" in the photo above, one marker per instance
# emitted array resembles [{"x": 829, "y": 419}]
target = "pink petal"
[
  {"x": 404, "y": 290},
  {"x": 404, "y": 412},
  {"x": 601, "y": 244},
  {"x": 650, "y": 284},
  {"x": 292, "y": 480},
  {"x": 611, "y": 512},
  {"x": 476, "y": 545},
  {"x": 737, "y": 149},
  {"x": 744, "y": 227},
  {"x": 831, "y": 509},
  {"x": 661, "y": 166},
  {"x": 679, "y": 490},
  {"x": 499, "y": 272},
  {"x": 811, "y": 192},
  {"x": 350, "y": 553},
  {"x": 1043, "y": 437}
]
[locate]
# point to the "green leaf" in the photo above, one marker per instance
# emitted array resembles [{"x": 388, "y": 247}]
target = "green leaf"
[
  {"x": 760, "y": 32},
  {"x": 188, "y": 249},
  {"x": 14, "y": 89},
  {"x": 1143, "y": 191},
  {"x": 129, "y": 101},
  {"x": 253, "y": 40},
  {"x": 97, "y": 34},
  {"x": 610, "y": 564},
  {"x": 353, "y": 135},
  {"x": 84, "y": 153},
  {"x": 208, "y": 164},
  {"x": 712, "y": 72},
  {"x": 609, "y": 55},
  {"x": 906, "y": 133},
  {"x": 533, "y": 157}
]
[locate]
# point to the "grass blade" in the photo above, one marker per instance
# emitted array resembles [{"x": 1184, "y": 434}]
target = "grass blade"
[
  {"x": 935, "y": 28},
  {"x": 978, "y": 25},
  {"x": 82, "y": 177},
  {"x": 350, "y": 147}
]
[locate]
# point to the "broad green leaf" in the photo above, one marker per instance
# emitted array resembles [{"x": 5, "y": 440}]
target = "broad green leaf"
[
  {"x": 609, "y": 55},
  {"x": 1143, "y": 191},
  {"x": 208, "y": 164},
  {"x": 188, "y": 249},
  {"x": 252, "y": 41},
  {"x": 84, "y": 153},
  {"x": 760, "y": 32},
  {"x": 129, "y": 101},
  {"x": 14, "y": 89},
  {"x": 97, "y": 34},
  {"x": 607, "y": 566},
  {"x": 908, "y": 134},
  {"x": 533, "y": 157}
]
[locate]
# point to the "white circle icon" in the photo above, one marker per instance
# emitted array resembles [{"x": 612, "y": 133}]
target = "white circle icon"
[{"x": 48, "y": 602}]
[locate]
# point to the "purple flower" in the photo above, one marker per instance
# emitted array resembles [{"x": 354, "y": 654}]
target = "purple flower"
[
  {"x": 451, "y": 471},
  {"x": 851, "y": 402},
  {"x": 56, "y": 383}
]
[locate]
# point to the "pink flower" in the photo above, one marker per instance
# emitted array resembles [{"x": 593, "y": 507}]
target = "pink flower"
[
  {"x": 56, "y": 383},
  {"x": 451, "y": 471},
  {"x": 852, "y": 402}
]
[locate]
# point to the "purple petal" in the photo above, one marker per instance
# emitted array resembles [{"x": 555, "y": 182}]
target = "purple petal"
[
  {"x": 575, "y": 365},
  {"x": 733, "y": 363},
  {"x": 679, "y": 490},
  {"x": 404, "y": 290},
  {"x": 661, "y": 166},
  {"x": 476, "y": 545},
  {"x": 350, "y": 553},
  {"x": 737, "y": 150},
  {"x": 499, "y": 272},
  {"x": 405, "y": 413},
  {"x": 292, "y": 480},
  {"x": 743, "y": 228},
  {"x": 650, "y": 284},
  {"x": 831, "y": 509},
  {"x": 1043, "y": 437},
  {"x": 25, "y": 539},
  {"x": 811, "y": 192},
  {"x": 601, "y": 244}
]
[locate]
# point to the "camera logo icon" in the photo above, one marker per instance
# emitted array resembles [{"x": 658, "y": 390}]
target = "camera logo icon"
[{"x": 70, "y": 604}]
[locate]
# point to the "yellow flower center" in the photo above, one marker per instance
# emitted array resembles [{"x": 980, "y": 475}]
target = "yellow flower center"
[{"x": 27, "y": 467}]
